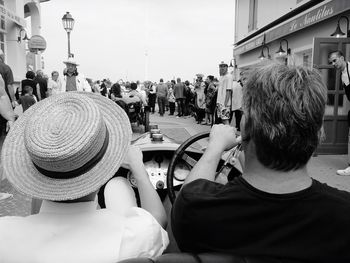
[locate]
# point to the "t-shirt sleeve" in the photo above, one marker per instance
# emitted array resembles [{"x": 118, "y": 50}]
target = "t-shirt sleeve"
[{"x": 142, "y": 236}]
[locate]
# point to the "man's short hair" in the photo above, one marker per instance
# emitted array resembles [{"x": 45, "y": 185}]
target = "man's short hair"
[
  {"x": 337, "y": 52},
  {"x": 283, "y": 108},
  {"x": 161, "y": 80},
  {"x": 27, "y": 89},
  {"x": 30, "y": 74}
]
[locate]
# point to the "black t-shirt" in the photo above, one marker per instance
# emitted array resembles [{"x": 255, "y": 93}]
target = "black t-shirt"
[
  {"x": 311, "y": 225},
  {"x": 43, "y": 86}
]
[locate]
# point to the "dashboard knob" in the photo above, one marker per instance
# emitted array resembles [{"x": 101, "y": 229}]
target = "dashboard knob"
[{"x": 160, "y": 185}]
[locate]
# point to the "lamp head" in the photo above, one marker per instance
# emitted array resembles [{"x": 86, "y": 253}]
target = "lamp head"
[
  {"x": 337, "y": 32},
  {"x": 68, "y": 22}
]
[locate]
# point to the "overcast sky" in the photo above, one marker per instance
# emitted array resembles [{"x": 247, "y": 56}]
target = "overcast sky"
[{"x": 135, "y": 39}]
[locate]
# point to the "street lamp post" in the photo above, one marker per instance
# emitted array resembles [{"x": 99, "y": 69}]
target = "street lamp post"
[{"x": 68, "y": 24}]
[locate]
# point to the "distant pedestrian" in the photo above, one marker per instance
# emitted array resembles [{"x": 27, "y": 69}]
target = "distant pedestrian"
[
  {"x": 337, "y": 60},
  {"x": 162, "y": 93},
  {"x": 29, "y": 81},
  {"x": 27, "y": 99},
  {"x": 200, "y": 103},
  {"x": 41, "y": 84},
  {"x": 74, "y": 81},
  {"x": 8, "y": 115},
  {"x": 179, "y": 92},
  {"x": 171, "y": 99},
  {"x": 54, "y": 85},
  {"x": 7, "y": 76},
  {"x": 209, "y": 100},
  {"x": 224, "y": 97},
  {"x": 152, "y": 97}
]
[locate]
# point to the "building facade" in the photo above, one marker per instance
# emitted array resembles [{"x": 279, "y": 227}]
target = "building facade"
[
  {"x": 302, "y": 29},
  {"x": 19, "y": 20}
]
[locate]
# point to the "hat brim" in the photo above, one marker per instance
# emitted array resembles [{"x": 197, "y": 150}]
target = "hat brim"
[
  {"x": 69, "y": 62},
  {"x": 21, "y": 172}
]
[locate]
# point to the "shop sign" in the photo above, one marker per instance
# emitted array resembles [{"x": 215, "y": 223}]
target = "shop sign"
[
  {"x": 13, "y": 17},
  {"x": 310, "y": 18},
  {"x": 256, "y": 42},
  {"x": 37, "y": 43}
]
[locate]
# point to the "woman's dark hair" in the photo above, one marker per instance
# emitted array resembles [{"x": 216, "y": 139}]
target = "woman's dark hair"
[
  {"x": 30, "y": 74},
  {"x": 116, "y": 90},
  {"x": 133, "y": 86}
]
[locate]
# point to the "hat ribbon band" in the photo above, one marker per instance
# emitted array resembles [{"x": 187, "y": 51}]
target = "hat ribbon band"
[{"x": 81, "y": 170}]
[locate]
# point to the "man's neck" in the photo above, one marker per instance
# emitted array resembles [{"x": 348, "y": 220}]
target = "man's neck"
[{"x": 273, "y": 181}]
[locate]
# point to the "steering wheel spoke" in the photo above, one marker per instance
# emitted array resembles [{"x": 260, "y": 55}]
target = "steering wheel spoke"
[{"x": 189, "y": 160}]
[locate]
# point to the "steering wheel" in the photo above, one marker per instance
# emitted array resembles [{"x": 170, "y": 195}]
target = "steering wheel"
[{"x": 180, "y": 154}]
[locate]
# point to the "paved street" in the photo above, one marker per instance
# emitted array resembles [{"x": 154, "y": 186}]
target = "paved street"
[{"x": 322, "y": 167}]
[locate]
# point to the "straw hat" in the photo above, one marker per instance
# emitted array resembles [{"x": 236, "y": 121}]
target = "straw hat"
[
  {"x": 223, "y": 63},
  {"x": 66, "y": 146},
  {"x": 71, "y": 61}
]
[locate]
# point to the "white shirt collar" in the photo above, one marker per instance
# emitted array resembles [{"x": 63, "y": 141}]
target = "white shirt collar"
[{"x": 67, "y": 208}]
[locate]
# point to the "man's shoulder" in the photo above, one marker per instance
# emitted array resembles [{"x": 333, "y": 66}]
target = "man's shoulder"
[{"x": 331, "y": 193}]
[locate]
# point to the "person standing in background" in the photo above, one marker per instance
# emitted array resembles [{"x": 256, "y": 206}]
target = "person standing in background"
[
  {"x": 179, "y": 92},
  {"x": 171, "y": 100},
  {"x": 224, "y": 97},
  {"x": 162, "y": 93},
  {"x": 236, "y": 107},
  {"x": 54, "y": 84},
  {"x": 7, "y": 76},
  {"x": 152, "y": 97},
  {"x": 41, "y": 85},
  {"x": 337, "y": 60},
  {"x": 29, "y": 81},
  {"x": 73, "y": 81},
  {"x": 8, "y": 116},
  {"x": 27, "y": 99}
]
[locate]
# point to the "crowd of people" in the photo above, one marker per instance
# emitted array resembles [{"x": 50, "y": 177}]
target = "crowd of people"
[
  {"x": 208, "y": 99},
  {"x": 66, "y": 147}
]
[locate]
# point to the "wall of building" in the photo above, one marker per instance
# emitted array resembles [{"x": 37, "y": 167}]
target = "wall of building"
[
  {"x": 267, "y": 11},
  {"x": 15, "y": 51}
]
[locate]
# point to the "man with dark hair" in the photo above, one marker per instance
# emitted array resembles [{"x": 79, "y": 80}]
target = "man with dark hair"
[
  {"x": 336, "y": 59},
  {"x": 275, "y": 208}
]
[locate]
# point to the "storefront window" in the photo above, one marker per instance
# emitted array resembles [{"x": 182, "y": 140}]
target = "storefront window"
[
  {"x": 2, "y": 42},
  {"x": 2, "y": 23}
]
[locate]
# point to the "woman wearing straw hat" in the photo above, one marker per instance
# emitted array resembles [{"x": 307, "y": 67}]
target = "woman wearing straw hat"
[{"x": 62, "y": 150}]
